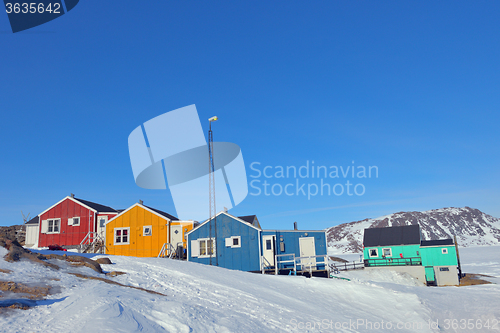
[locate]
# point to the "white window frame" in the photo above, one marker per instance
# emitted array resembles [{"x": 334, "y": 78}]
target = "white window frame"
[
  {"x": 150, "y": 230},
  {"x": 370, "y": 252},
  {"x": 390, "y": 252},
  {"x": 444, "y": 251},
  {"x": 230, "y": 241},
  {"x": 121, "y": 236},
  {"x": 201, "y": 241},
  {"x": 54, "y": 222},
  {"x": 72, "y": 220}
]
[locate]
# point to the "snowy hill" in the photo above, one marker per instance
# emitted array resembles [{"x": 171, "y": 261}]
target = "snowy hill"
[
  {"x": 471, "y": 226},
  {"x": 199, "y": 298}
]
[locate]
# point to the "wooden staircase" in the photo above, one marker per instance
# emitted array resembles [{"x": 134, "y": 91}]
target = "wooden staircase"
[
  {"x": 169, "y": 251},
  {"x": 92, "y": 243}
]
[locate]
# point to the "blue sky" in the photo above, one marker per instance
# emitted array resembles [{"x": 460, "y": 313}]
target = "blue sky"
[{"x": 409, "y": 87}]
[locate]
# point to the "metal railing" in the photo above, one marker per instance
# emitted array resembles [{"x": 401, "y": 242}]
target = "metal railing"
[
  {"x": 92, "y": 240},
  {"x": 167, "y": 250},
  {"x": 265, "y": 264},
  {"x": 346, "y": 266},
  {"x": 413, "y": 261},
  {"x": 279, "y": 262},
  {"x": 298, "y": 264},
  {"x": 306, "y": 263},
  {"x": 170, "y": 251}
]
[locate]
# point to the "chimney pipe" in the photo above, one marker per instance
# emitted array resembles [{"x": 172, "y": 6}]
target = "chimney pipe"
[
  {"x": 72, "y": 195},
  {"x": 294, "y": 225},
  {"x": 141, "y": 202}
]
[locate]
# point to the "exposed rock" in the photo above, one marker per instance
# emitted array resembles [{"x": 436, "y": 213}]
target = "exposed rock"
[
  {"x": 337, "y": 259},
  {"x": 78, "y": 260},
  {"x": 104, "y": 261},
  {"x": 34, "y": 292},
  {"x": 16, "y": 252},
  {"x": 115, "y": 273},
  {"x": 19, "y": 306},
  {"x": 12, "y": 233},
  {"x": 474, "y": 279}
]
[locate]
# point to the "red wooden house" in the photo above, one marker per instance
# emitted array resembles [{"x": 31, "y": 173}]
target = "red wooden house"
[{"x": 73, "y": 221}]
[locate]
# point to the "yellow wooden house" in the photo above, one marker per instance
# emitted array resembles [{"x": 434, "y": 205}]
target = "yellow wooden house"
[{"x": 142, "y": 231}]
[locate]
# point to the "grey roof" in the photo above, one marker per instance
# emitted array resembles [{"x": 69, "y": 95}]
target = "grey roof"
[
  {"x": 252, "y": 219},
  {"x": 98, "y": 207},
  {"x": 167, "y": 215},
  {"x": 403, "y": 235},
  {"x": 437, "y": 242},
  {"x": 34, "y": 220},
  {"x": 248, "y": 218}
]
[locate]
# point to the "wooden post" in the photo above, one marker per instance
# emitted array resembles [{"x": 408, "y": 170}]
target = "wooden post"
[
  {"x": 327, "y": 266},
  {"x": 458, "y": 257}
]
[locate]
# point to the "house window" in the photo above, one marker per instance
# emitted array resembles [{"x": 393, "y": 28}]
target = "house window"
[
  {"x": 53, "y": 226},
  {"x": 147, "y": 230},
  {"x": 373, "y": 252},
  {"x": 206, "y": 247},
  {"x": 387, "y": 252},
  {"x": 202, "y": 247},
  {"x": 74, "y": 221},
  {"x": 269, "y": 245},
  {"x": 444, "y": 269},
  {"x": 444, "y": 251},
  {"x": 234, "y": 241},
  {"x": 122, "y": 236}
]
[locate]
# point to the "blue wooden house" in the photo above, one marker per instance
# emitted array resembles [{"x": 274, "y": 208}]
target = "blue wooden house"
[
  {"x": 226, "y": 241},
  {"x": 292, "y": 250},
  {"x": 240, "y": 243}
]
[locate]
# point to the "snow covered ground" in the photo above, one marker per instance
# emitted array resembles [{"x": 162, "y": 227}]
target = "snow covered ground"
[{"x": 209, "y": 299}]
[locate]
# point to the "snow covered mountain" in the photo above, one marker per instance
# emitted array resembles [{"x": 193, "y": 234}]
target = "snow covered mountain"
[{"x": 471, "y": 226}]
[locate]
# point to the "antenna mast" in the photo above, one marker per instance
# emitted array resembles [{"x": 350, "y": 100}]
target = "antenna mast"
[
  {"x": 25, "y": 217},
  {"x": 211, "y": 192}
]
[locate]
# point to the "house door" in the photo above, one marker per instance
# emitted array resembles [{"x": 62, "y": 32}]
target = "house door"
[
  {"x": 31, "y": 235},
  {"x": 306, "y": 245},
  {"x": 101, "y": 226},
  {"x": 176, "y": 236},
  {"x": 430, "y": 276},
  {"x": 268, "y": 250}
]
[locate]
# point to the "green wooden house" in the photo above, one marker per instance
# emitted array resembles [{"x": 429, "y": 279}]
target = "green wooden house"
[
  {"x": 402, "y": 249},
  {"x": 440, "y": 260}
]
